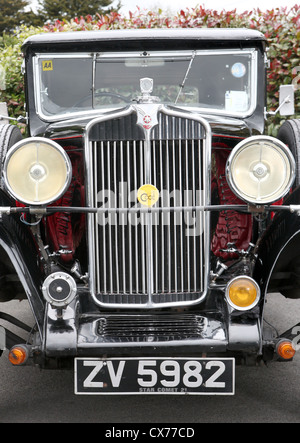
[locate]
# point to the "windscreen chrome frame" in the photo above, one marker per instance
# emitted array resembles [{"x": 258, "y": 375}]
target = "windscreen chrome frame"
[{"x": 95, "y": 57}]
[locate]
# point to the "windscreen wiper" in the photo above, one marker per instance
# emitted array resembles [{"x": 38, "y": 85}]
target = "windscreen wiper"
[{"x": 186, "y": 75}]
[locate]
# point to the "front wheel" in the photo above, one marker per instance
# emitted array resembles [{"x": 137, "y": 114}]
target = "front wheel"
[
  {"x": 289, "y": 134},
  {"x": 9, "y": 135}
]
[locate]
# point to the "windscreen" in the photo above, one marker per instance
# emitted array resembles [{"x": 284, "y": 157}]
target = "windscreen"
[{"x": 213, "y": 81}]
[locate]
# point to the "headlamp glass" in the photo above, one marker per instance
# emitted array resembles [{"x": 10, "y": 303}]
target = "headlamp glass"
[
  {"x": 260, "y": 170},
  {"x": 37, "y": 171}
]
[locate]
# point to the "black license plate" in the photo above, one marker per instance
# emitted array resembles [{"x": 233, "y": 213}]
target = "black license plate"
[{"x": 201, "y": 376}]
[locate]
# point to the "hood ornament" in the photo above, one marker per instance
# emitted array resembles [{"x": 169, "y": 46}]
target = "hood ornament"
[
  {"x": 147, "y": 105},
  {"x": 146, "y": 86}
]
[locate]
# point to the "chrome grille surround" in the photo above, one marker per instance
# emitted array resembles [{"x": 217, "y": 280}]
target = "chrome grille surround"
[{"x": 148, "y": 266}]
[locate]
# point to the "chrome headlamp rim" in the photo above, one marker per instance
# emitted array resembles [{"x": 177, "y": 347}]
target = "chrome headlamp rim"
[
  {"x": 241, "y": 308},
  {"x": 243, "y": 145},
  {"x": 54, "y": 145}
]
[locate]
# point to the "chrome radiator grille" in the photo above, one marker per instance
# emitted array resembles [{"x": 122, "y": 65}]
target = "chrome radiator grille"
[{"x": 158, "y": 255}]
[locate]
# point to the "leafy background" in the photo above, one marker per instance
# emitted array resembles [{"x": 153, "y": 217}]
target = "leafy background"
[{"x": 281, "y": 27}]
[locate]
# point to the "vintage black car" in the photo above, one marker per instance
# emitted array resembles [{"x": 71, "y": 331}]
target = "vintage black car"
[{"x": 146, "y": 216}]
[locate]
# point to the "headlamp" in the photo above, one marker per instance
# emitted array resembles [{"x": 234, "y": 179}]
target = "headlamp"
[
  {"x": 260, "y": 170},
  {"x": 242, "y": 293},
  {"x": 37, "y": 171}
]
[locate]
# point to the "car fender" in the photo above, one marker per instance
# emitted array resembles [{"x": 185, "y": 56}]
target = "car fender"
[
  {"x": 20, "y": 247},
  {"x": 278, "y": 253}
]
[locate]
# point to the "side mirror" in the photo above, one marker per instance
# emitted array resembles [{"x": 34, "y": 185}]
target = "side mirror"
[
  {"x": 286, "y": 100},
  {"x": 4, "y": 115}
]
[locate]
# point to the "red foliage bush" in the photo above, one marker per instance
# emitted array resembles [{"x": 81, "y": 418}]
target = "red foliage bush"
[{"x": 281, "y": 27}]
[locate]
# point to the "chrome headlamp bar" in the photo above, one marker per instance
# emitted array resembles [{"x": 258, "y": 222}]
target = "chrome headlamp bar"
[{"x": 41, "y": 211}]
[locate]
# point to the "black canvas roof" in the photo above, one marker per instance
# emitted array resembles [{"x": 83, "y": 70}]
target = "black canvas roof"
[{"x": 162, "y": 38}]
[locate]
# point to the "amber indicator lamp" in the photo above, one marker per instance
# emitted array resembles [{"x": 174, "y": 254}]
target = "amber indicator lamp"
[
  {"x": 18, "y": 355},
  {"x": 285, "y": 349}
]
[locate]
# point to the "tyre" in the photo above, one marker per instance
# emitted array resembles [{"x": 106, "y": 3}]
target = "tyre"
[
  {"x": 289, "y": 134},
  {"x": 9, "y": 135}
]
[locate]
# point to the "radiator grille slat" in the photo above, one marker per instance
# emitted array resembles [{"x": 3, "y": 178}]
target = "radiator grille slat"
[{"x": 177, "y": 238}]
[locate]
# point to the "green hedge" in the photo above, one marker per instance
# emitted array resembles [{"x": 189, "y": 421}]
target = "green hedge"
[
  {"x": 281, "y": 26},
  {"x": 10, "y": 65}
]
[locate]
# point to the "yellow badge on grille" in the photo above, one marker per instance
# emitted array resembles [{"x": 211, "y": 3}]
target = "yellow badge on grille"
[{"x": 148, "y": 195}]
